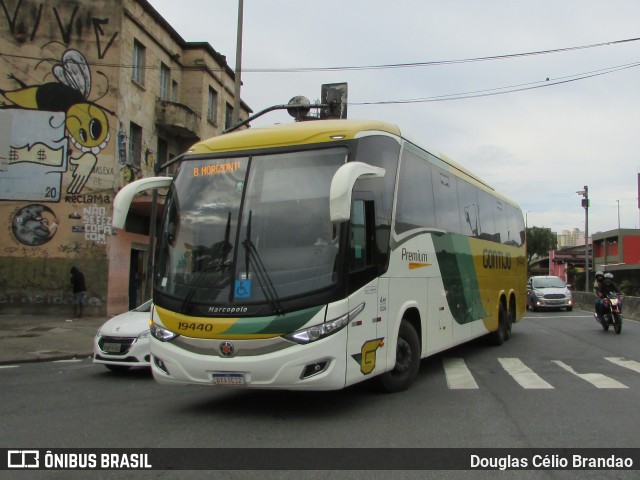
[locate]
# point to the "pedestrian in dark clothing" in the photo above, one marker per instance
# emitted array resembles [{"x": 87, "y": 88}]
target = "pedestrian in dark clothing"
[{"x": 79, "y": 291}]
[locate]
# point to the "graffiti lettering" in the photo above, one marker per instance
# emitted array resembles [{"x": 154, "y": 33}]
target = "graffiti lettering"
[
  {"x": 97, "y": 27},
  {"x": 103, "y": 170},
  {"x": 87, "y": 199},
  {"x": 97, "y": 225},
  {"x": 66, "y": 32}
]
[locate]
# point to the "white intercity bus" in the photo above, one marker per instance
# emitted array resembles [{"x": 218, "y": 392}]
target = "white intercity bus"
[{"x": 316, "y": 255}]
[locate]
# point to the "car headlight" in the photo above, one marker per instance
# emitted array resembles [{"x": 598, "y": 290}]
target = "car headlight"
[
  {"x": 323, "y": 330},
  {"x": 144, "y": 334},
  {"x": 161, "y": 333}
]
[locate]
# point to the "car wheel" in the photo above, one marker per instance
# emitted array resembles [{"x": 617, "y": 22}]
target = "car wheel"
[{"x": 117, "y": 368}]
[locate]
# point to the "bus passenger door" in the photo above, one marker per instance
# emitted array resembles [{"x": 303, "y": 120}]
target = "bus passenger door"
[{"x": 367, "y": 331}]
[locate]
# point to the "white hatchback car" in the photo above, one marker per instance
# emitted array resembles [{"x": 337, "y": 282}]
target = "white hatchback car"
[{"x": 123, "y": 341}]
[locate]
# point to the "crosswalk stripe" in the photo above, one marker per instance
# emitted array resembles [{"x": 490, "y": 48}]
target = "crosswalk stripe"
[
  {"x": 522, "y": 374},
  {"x": 630, "y": 364},
  {"x": 596, "y": 379},
  {"x": 458, "y": 375}
]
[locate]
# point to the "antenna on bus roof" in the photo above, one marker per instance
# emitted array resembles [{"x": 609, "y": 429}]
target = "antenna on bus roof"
[{"x": 334, "y": 105}]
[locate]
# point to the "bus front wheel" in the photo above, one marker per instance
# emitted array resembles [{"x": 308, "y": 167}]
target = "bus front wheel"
[{"x": 407, "y": 364}]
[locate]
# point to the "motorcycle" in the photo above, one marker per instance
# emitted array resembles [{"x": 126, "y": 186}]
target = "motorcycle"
[{"x": 612, "y": 307}]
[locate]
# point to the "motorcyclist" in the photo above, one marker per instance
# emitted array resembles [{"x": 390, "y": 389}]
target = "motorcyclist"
[
  {"x": 607, "y": 287},
  {"x": 596, "y": 290}
]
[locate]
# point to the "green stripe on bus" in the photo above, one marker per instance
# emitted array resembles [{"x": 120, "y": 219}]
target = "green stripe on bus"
[
  {"x": 459, "y": 277},
  {"x": 275, "y": 324}
]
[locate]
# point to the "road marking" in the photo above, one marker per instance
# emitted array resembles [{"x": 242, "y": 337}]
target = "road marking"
[
  {"x": 70, "y": 360},
  {"x": 458, "y": 375},
  {"x": 522, "y": 374},
  {"x": 596, "y": 379},
  {"x": 8, "y": 366},
  {"x": 630, "y": 364}
]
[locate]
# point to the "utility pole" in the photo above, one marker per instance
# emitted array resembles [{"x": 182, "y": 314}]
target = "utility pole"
[
  {"x": 235, "y": 116},
  {"x": 585, "y": 205}
]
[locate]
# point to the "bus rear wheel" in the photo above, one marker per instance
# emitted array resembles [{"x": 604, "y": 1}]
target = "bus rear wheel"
[
  {"x": 503, "y": 332},
  {"x": 407, "y": 364}
]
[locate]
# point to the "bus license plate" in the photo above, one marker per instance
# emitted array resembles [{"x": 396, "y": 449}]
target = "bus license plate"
[{"x": 227, "y": 378}]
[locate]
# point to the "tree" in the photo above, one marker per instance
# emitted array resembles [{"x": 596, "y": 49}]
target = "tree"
[{"x": 540, "y": 241}]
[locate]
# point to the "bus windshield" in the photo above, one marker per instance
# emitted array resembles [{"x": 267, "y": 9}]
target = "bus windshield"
[{"x": 253, "y": 229}]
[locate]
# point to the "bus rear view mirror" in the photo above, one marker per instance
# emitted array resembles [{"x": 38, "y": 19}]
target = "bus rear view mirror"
[
  {"x": 124, "y": 197},
  {"x": 342, "y": 187}
]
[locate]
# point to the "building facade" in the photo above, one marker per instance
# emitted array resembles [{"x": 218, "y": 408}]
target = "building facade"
[{"x": 94, "y": 94}]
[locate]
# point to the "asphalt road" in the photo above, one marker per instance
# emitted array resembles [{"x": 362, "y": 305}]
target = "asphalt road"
[{"x": 559, "y": 382}]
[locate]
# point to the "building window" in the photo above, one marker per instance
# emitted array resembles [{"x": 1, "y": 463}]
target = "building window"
[
  {"x": 162, "y": 155},
  {"x": 212, "y": 112},
  {"x": 135, "y": 145},
  {"x": 165, "y": 76},
  {"x": 174, "y": 91},
  {"x": 228, "y": 116},
  {"x": 139, "y": 62}
]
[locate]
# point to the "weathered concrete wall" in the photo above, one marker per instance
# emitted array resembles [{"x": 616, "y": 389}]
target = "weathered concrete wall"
[{"x": 630, "y": 305}]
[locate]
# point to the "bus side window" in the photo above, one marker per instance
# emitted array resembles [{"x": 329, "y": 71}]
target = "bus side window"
[{"x": 362, "y": 236}]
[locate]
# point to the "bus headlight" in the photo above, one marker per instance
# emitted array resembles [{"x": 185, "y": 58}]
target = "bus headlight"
[
  {"x": 323, "y": 330},
  {"x": 161, "y": 333}
]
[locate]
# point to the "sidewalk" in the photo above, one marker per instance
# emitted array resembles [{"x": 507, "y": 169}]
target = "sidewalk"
[{"x": 34, "y": 338}]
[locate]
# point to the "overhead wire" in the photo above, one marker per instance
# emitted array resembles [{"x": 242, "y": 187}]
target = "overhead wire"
[
  {"x": 454, "y": 96},
  {"x": 506, "y": 89},
  {"x": 435, "y": 62}
]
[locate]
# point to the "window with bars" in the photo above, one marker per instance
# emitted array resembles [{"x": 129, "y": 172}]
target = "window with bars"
[
  {"x": 139, "y": 62},
  {"x": 165, "y": 77},
  {"x": 212, "y": 112},
  {"x": 135, "y": 145}
]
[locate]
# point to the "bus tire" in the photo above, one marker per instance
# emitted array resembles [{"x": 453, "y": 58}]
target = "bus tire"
[
  {"x": 498, "y": 337},
  {"x": 407, "y": 364}
]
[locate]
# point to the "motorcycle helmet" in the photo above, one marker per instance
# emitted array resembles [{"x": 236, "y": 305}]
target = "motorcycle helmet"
[
  {"x": 599, "y": 275},
  {"x": 608, "y": 276}
]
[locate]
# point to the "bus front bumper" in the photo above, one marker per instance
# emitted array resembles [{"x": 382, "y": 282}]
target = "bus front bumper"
[{"x": 320, "y": 365}]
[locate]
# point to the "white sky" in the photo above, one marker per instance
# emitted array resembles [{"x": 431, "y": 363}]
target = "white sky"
[{"x": 538, "y": 146}]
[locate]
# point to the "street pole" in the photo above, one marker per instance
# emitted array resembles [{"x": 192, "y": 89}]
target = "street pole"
[
  {"x": 618, "y": 214},
  {"x": 235, "y": 116},
  {"x": 585, "y": 205}
]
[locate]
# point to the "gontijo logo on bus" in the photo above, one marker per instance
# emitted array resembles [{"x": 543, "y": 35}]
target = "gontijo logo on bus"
[
  {"x": 216, "y": 169},
  {"x": 416, "y": 259},
  {"x": 495, "y": 259}
]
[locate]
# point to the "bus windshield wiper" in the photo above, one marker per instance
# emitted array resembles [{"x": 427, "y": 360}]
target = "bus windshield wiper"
[
  {"x": 216, "y": 261},
  {"x": 254, "y": 260}
]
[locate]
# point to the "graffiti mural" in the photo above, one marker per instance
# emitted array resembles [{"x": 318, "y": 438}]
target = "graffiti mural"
[
  {"x": 86, "y": 122},
  {"x": 37, "y": 157},
  {"x": 34, "y": 225},
  {"x": 55, "y": 129}
]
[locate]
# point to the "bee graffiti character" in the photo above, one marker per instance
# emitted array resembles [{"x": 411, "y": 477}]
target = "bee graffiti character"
[{"x": 86, "y": 122}]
